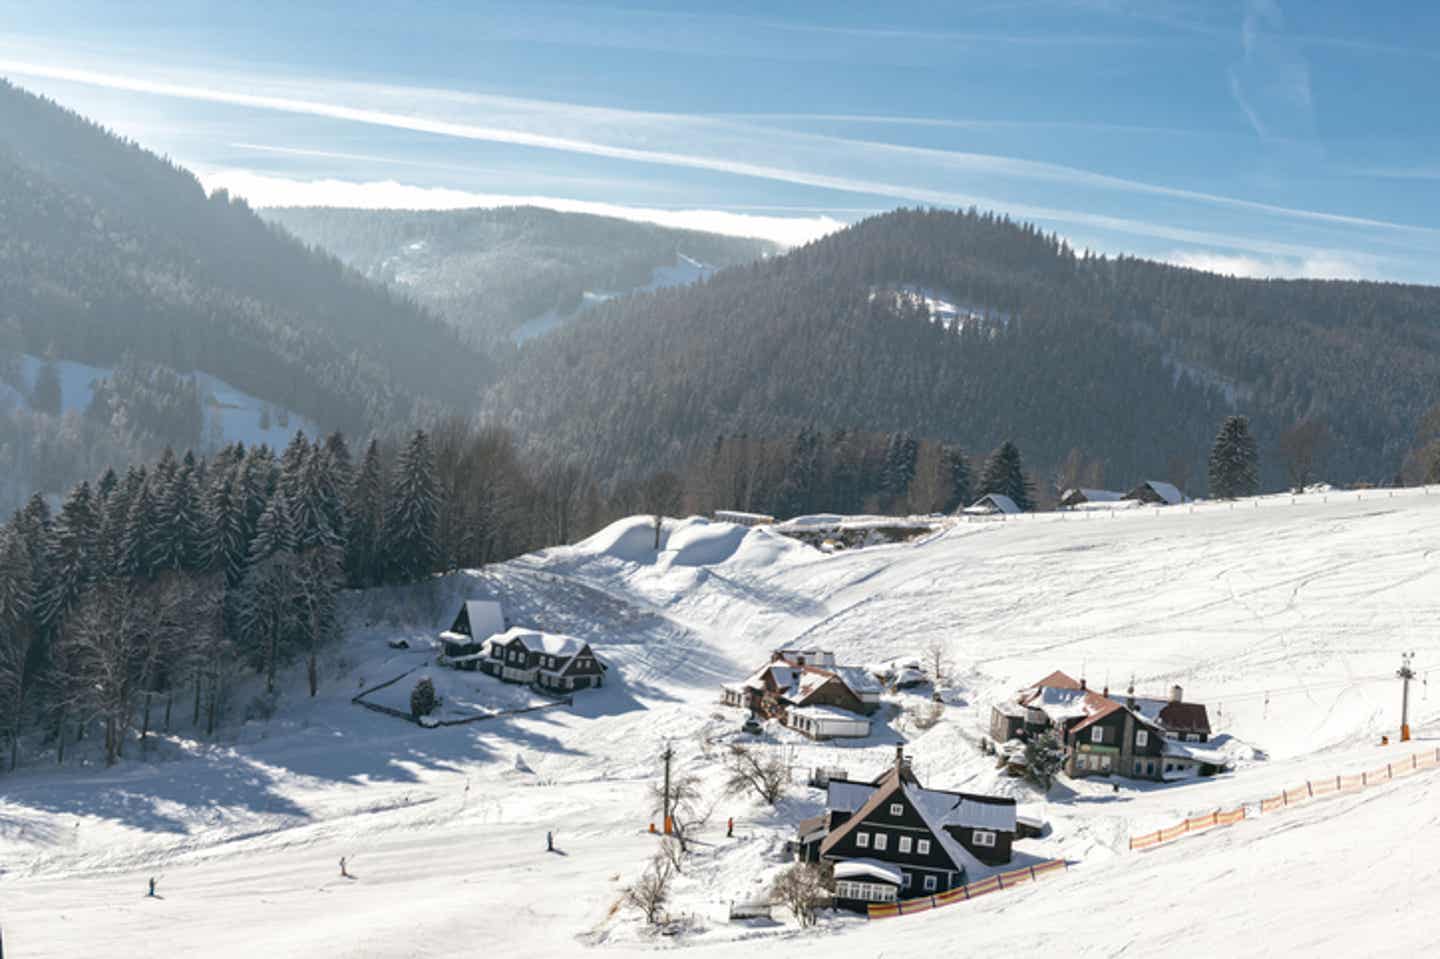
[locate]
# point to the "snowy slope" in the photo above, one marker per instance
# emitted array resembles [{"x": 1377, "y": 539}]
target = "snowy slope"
[
  {"x": 237, "y": 412},
  {"x": 684, "y": 271},
  {"x": 1309, "y": 600}
]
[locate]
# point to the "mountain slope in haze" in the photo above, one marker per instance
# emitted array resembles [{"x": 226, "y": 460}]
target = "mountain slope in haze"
[
  {"x": 109, "y": 250},
  {"x": 513, "y": 271},
  {"x": 1133, "y": 362}
]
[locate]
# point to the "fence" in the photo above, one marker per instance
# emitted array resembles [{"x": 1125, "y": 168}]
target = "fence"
[
  {"x": 1313, "y": 789},
  {"x": 996, "y": 883}
]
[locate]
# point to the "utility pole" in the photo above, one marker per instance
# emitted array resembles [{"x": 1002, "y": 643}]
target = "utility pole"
[
  {"x": 665, "y": 800},
  {"x": 1405, "y": 673}
]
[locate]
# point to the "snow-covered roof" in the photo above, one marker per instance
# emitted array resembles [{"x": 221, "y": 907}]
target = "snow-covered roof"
[
  {"x": 487, "y": 617},
  {"x": 1166, "y": 491},
  {"x": 1168, "y": 714},
  {"x": 1195, "y": 752},
  {"x": 945, "y": 808},
  {"x": 926, "y": 806},
  {"x": 828, "y": 714},
  {"x": 993, "y": 503},
  {"x": 450, "y": 636},
  {"x": 1093, "y": 495},
  {"x": 857, "y": 678},
  {"x": 551, "y": 644},
  {"x": 1010, "y": 708},
  {"x": 844, "y": 796},
  {"x": 869, "y": 869}
]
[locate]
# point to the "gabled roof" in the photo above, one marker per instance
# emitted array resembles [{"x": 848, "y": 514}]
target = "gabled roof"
[
  {"x": 1083, "y": 495},
  {"x": 993, "y": 503},
  {"x": 485, "y": 618},
  {"x": 1057, "y": 680},
  {"x": 859, "y": 679},
  {"x": 1166, "y": 491},
  {"x": 1097, "y": 708},
  {"x": 1185, "y": 717},
  {"x": 550, "y": 644}
]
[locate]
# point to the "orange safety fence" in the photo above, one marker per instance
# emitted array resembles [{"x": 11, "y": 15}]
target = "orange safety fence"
[
  {"x": 996, "y": 883},
  {"x": 1290, "y": 797},
  {"x": 1185, "y": 827}
]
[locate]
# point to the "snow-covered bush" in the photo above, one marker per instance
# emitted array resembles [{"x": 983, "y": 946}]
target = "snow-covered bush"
[{"x": 422, "y": 699}]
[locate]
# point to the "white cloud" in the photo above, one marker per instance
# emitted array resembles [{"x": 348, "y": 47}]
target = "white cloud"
[
  {"x": 1321, "y": 266},
  {"x": 262, "y": 190}
]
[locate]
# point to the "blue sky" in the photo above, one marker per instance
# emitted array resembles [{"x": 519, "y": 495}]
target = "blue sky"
[{"x": 1251, "y": 136}]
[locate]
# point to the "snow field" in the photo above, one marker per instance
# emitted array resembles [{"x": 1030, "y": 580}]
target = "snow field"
[{"x": 1288, "y": 620}]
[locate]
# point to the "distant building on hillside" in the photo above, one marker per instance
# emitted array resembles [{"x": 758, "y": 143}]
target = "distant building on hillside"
[
  {"x": 742, "y": 519},
  {"x": 477, "y": 621},
  {"x": 891, "y": 838},
  {"x": 1077, "y": 497},
  {"x": 807, "y": 691},
  {"x": 1157, "y": 492},
  {"x": 992, "y": 503},
  {"x": 1105, "y": 734}
]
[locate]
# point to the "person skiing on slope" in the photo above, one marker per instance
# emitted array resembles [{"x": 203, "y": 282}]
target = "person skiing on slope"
[{"x": 549, "y": 841}]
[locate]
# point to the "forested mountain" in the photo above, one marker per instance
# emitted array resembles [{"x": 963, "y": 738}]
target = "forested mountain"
[
  {"x": 1132, "y": 363},
  {"x": 109, "y": 252},
  {"x": 492, "y": 272}
]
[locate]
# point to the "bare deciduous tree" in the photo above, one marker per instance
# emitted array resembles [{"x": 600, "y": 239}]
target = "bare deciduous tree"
[
  {"x": 937, "y": 658},
  {"x": 763, "y": 773},
  {"x": 685, "y": 803},
  {"x": 651, "y": 891},
  {"x": 803, "y": 889},
  {"x": 1304, "y": 446}
]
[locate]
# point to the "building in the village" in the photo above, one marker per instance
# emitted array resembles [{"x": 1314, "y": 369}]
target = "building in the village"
[
  {"x": 991, "y": 504},
  {"x": 1157, "y": 492},
  {"x": 477, "y": 621},
  {"x": 555, "y": 663},
  {"x": 807, "y": 691},
  {"x": 1106, "y": 734},
  {"x": 894, "y": 839},
  {"x": 1080, "y": 497}
]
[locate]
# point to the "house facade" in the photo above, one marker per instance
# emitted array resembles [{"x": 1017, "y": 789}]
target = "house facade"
[
  {"x": 548, "y": 661},
  {"x": 893, "y": 839},
  {"x": 1105, "y": 734},
  {"x": 822, "y": 701}
]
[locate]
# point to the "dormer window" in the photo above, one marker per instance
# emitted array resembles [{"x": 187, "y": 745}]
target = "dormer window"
[
  {"x": 897, "y": 809},
  {"x": 1097, "y": 734}
]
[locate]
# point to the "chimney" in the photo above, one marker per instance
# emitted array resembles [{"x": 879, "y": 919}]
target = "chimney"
[
  {"x": 1082, "y": 682},
  {"x": 1106, "y": 691},
  {"x": 1130, "y": 695},
  {"x": 899, "y": 756},
  {"x": 1176, "y": 693}
]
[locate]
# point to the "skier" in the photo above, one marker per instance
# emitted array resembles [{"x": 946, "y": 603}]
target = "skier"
[
  {"x": 549, "y": 841},
  {"x": 343, "y": 873},
  {"x": 730, "y": 828},
  {"x": 151, "y": 893}
]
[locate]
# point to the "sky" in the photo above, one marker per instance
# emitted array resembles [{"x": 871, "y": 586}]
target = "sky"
[{"x": 1254, "y": 137}]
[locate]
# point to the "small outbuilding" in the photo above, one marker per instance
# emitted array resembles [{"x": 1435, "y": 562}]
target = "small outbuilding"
[
  {"x": 992, "y": 503},
  {"x": 477, "y": 621},
  {"x": 1157, "y": 492},
  {"x": 1081, "y": 496}
]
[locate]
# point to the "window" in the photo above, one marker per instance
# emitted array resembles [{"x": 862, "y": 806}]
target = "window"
[
  {"x": 1149, "y": 769},
  {"x": 862, "y": 840},
  {"x": 905, "y": 880},
  {"x": 1139, "y": 767},
  {"x": 923, "y": 847},
  {"x": 880, "y": 841},
  {"x": 1097, "y": 734},
  {"x": 929, "y": 883},
  {"x": 1142, "y": 739},
  {"x": 897, "y": 809},
  {"x": 983, "y": 837},
  {"x": 903, "y": 845}
]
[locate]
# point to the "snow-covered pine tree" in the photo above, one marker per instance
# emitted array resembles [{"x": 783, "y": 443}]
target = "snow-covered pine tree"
[
  {"x": 114, "y": 514},
  {"x": 258, "y": 481},
  {"x": 1234, "y": 460},
  {"x": 1004, "y": 474},
  {"x": 178, "y": 519},
  {"x": 957, "y": 474},
  {"x": 135, "y": 543},
  {"x": 225, "y": 517},
  {"x": 411, "y": 512},
  {"x": 366, "y": 516},
  {"x": 17, "y": 598},
  {"x": 70, "y": 558},
  {"x": 316, "y": 508},
  {"x": 292, "y": 465},
  {"x": 275, "y": 533}
]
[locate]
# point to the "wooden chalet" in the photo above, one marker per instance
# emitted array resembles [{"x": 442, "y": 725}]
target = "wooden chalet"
[
  {"x": 547, "y": 661},
  {"x": 822, "y": 701},
  {"x": 1104, "y": 734},
  {"x": 990, "y": 504},
  {"x": 893, "y": 839}
]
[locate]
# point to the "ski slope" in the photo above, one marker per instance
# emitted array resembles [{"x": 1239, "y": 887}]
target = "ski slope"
[{"x": 1286, "y": 615}]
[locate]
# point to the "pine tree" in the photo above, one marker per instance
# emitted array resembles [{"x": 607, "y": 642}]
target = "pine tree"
[
  {"x": 292, "y": 465},
  {"x": 1004, "y": 474},
  {"x": 900, "y": 455},
  {"x": 136, "y": 550},
  {"x": 957, "y": 473},
  {"x": 1234, "y": 460},
  {"x": 176, "y": 544},
  {"x": 275, "y": 533},
  {"x": 802, "y": 475},
  {"x": 70, "y": 559},
  {"x": 411, "y": 512},
  {"x": 365, "y": 510},
  {"x": 17, "y": 597}
]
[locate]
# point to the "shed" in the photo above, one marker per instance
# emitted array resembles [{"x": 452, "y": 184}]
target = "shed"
[
  {"x": 1080, "y": 496},
  {"x": 477, "y": 621},
  {"x": 992, "y": 503},
  {"x": 827, "y": 722},
  {"x": 1157, "y": 492}
]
